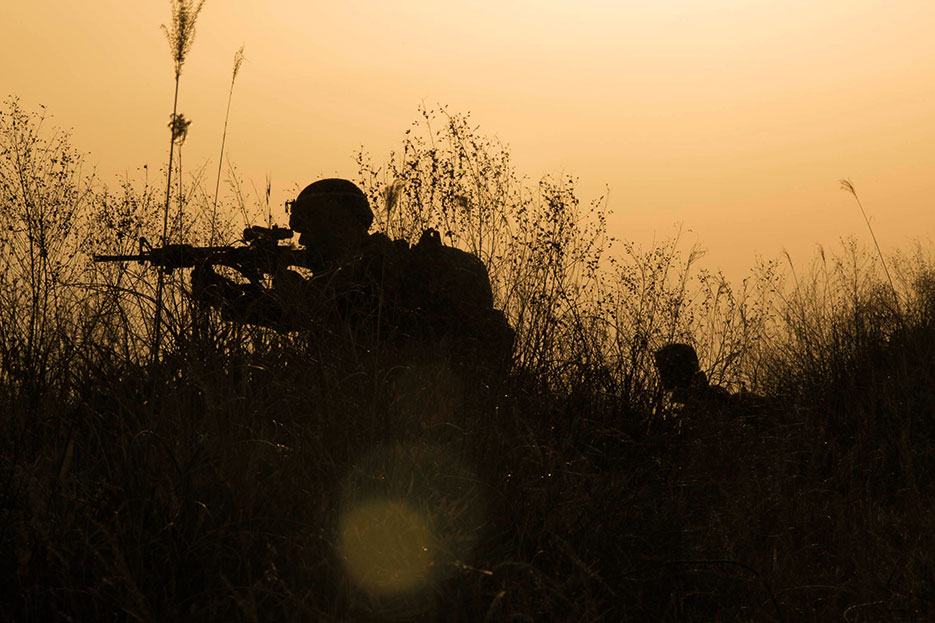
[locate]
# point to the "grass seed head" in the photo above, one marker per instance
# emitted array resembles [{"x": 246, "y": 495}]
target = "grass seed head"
[{"x": 181, "y": 32}]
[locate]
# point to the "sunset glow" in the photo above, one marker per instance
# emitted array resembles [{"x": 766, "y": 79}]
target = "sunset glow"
[
  {"x": 733, "y": 118},
  {"x": 489, "y": 311}
]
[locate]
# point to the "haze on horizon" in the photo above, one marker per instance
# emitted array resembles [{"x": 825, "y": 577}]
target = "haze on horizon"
[{"x": 734, "y": 118}]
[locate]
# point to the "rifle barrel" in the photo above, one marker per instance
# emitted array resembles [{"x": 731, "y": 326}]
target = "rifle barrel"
[
  {"x": 119, "y": 258},
  {"x": 186, "y": 256}
]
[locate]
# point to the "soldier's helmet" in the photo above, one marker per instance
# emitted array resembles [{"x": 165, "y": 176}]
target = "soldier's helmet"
[
  {"x": 678, "y": 366},
  {"x": 331, "y": 215}
]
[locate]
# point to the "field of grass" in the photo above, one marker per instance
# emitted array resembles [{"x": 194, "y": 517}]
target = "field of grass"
[{"x": 243, "y": 474}]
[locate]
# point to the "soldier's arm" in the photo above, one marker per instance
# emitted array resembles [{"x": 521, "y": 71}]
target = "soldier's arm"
[{"x": 240, "y": 302}]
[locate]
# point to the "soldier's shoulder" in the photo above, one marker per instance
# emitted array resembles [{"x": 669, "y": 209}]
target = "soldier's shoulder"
[
  {"x": 378, "y": 246},
  {"x": 378, "y": 241}
]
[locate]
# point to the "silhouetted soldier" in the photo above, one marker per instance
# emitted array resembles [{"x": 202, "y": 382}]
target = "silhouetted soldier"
[
  {"x": 376, "y": 288},
  {"x": 680, "y": 374}
]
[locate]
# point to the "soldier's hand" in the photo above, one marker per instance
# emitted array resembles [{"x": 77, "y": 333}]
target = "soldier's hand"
[{"x": 204, "y": 277}]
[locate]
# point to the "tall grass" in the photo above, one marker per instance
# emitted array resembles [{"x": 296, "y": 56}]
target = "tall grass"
[
  {"x": 181, "y": 35},
  {"x": 238, "y": 61},
  {"x": 218, "y": 482},
  {"x": 849, "y": 187}
]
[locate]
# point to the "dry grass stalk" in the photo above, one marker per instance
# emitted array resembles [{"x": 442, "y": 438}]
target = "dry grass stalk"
[
  {"x": 180, "y": 35},
  {"x": 238, "y": 61}
]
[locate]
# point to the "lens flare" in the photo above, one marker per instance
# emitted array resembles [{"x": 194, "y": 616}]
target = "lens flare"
[
  {"x": 387, "y": 547},
  {"x": 409, "y": 517}
]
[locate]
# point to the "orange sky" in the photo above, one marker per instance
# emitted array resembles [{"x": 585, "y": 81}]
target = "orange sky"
[{"x": 734, "y": 117}]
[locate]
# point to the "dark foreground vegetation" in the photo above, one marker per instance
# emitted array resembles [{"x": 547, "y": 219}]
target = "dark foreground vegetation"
[{"x": 250, "y": 475}]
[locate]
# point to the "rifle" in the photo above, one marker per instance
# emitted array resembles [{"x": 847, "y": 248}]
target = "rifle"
[{"x": 261, "y": 253}]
